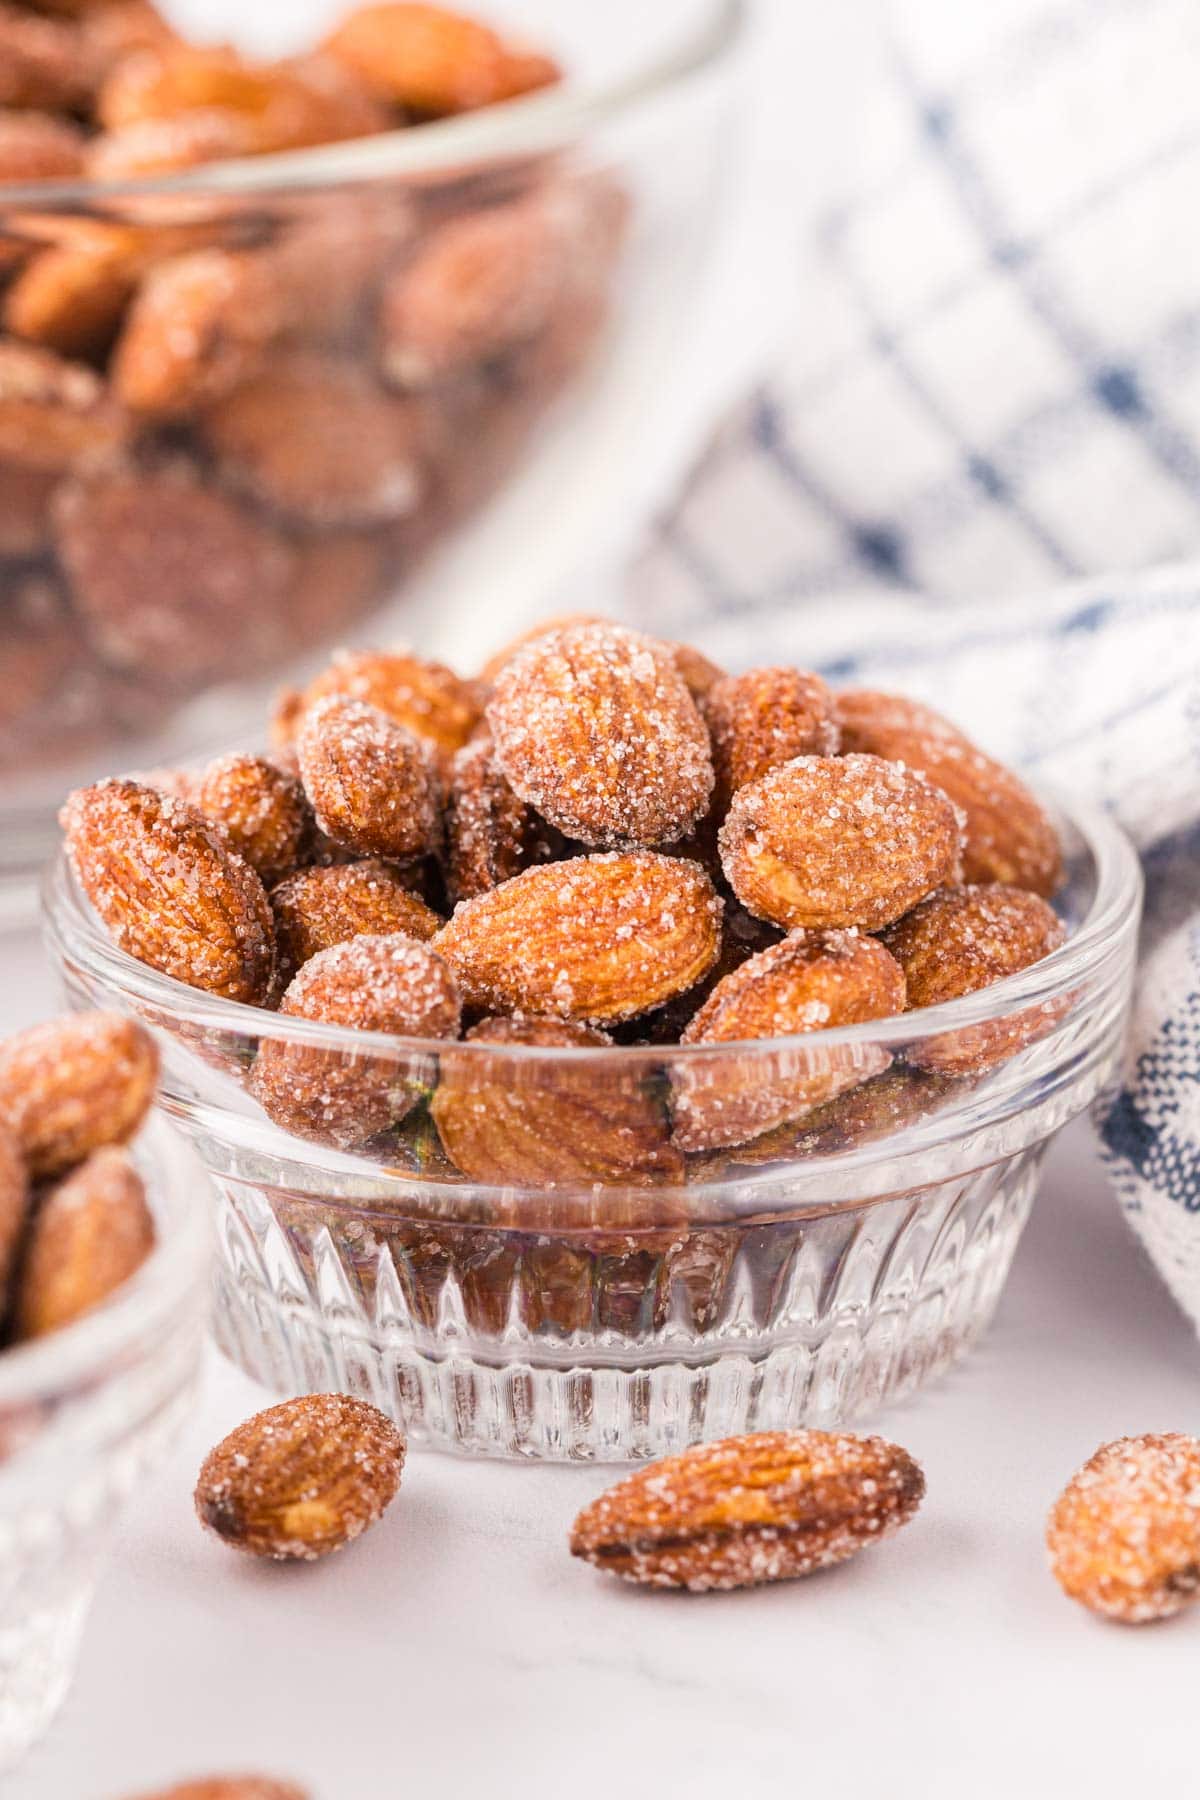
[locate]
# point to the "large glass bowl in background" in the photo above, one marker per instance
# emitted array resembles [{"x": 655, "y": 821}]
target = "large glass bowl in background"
[
  {"x": 143, "y": 626},
  {"x": 84, "y": 1415},
  {"x": 803, "y": 1278}
]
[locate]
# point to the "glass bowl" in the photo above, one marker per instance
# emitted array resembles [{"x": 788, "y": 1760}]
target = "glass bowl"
[
  {"x": 588, "y": 1291},
  {"x": 269, "y": 430},
  {"x": 84, "y": 1415}
]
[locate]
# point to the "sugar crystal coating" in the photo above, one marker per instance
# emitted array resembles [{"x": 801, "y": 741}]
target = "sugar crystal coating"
[
  {"x": 767, "y": 1507},
  {"x": 371, "y": 784},
  {"x": 838, "y": 840},
  {"x": 1124, "y": 1535},
  {"x": 318, "y": 907},
  {"x": 764, "y": 718},
  {"x": 594, "y": 726}
]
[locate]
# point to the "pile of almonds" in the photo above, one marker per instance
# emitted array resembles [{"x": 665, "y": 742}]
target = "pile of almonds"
[
  {"x": 75, "y": 1224},
  {"x": 600, "y": 839},
  {"x": 230, "y": 425}
]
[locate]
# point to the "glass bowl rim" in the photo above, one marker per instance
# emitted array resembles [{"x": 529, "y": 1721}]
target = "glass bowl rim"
[
  {"x": 527, "y": 126},
  {"x": 177, "y": 1265},
  {"x": 75, "y": 933}
]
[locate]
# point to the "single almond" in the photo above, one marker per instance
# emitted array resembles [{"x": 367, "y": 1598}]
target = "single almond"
[
  {"x": 1124, "y": 1535},
  {"x": 962, "y": 939},
  {"x": 388, "y": 984},
  {"x": 301, "y": 1479},
  {"x": 764, "y": 718},
  {"x": 491, "y": 833},
  {"x": 549, "y": 1121},
  {"x": 767, "y": 1507},
  {"x": 74, "y": 1085},
  {"x": 371, "y": 784},
  {"x": 168, "y": 890},
  {"x": 813, "y": 980},
  {"x": 433, "y": 61},
  {"x": 89, "y": 1235},
  {"x": 838, "y": 840},
  {"x": 425, "y": 697},
  {"x": 319, "y": 907},
  {"x": 594, "y": 727},
  {"x": 599, "y": 938},
  {"x": 1007, "y": 834},
  {"x": 259, "y": 811}
]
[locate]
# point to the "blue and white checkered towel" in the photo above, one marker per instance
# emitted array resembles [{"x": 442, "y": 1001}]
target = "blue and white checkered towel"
[{"x": 985, "y": 441}]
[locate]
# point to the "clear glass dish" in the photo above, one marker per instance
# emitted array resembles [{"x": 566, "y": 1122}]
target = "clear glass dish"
[
  {"x": 624, "y": 1301},
  {"x": 84, "y": 1415},
  {"x": 264, "y": 458}
]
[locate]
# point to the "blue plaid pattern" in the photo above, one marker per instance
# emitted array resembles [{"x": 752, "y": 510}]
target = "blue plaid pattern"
[{"x": 985, "y": 431}]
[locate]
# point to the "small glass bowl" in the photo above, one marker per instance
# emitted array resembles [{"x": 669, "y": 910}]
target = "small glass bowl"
[
  {"x": 84, "y": 1414},
  {"x": 245, "y": 485},
  {"x": 628, "y": 1303}
]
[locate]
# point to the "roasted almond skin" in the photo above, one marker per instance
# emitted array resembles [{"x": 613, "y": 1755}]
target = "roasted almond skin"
[
  {"x": 837, "y": 841},
  {"x": 764, "y": 718},
  {"x": 491, "y": 833},
  {"x": 371, "y": 784},
  {"x": 1007, "y": 835},
  {"x": 388, "y": 984},
  {"x": 89, "y": 1235},
  {"x": 812, "y": 980},
  {"x": 320, "y": 907},
  {"x": 301, "y": 1479},
  {"x": 962, "y": 939},
  {"x": 556, "y": 1122},
  {"x": 595, "y": 728},
  {"x": 260, "y": 812},
  {"x": 231, "y": 1787},
  {"x": 767, "y": 1507},
  {"x": 169, "y": 891},
  {"x": 1124, "y": 1535},
  {"x": 74, "y": 1085},
  {"x": 597, "y": 939},
  {"x": 425, "y": 697}
]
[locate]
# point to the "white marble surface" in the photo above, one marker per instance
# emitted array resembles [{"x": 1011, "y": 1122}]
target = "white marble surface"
[{"x": 458, "y": 1648}]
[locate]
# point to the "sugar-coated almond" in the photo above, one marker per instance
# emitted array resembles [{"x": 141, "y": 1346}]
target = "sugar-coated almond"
[
  {"x": 491, "y": 833},
  {"x": 200, "y": 323},
  {"x": 389, "y": 984},
  {"x": 433, "y": 61},
  {"x": 1124, "y": 1535},
  {"x": 371, "y": 784},
  {"x": 1007, "y": 834},
  {"x": 425, "y": 697},
  {"x": 318, "y": 907},
  {"x": 552, "y": 1121},
  {"x": 259, "y": 811},
  {"x": 74, "y": 1085},
  {"x": 812, "y": 981},
  {"x": 169, "y": 891},
  {"x": 764, "y": 718},
  {"x": 594, "y": 727},
  {"x": 598, "y": 939},
  {"x": 301, "y": 1479},
  {"x": 767, "y": 1507},
  {"x": 315, "y": 440},
  {"x": 172, "y": 578},
  {"x": 833, "y": 841},
  {"x": 89, "y": 1235},
  {"x": 962, "y": 939}
]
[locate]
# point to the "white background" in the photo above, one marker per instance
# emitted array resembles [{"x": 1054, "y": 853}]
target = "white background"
[{"x": 459, "y": 1649}]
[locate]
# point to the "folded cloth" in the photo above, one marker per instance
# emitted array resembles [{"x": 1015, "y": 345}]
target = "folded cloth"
[{"x": 961, "y": 474}]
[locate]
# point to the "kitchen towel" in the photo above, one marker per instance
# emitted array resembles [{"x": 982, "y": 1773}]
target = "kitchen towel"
[{"x": 974, "y": 471}]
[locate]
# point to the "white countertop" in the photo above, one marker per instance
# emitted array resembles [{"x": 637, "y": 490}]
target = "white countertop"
[{"x": 458, "y": 1648}]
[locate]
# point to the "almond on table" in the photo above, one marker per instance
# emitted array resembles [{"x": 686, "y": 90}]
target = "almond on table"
[
  {"x": 767, "y": 1507},
  {"x": 1124, "y": 1535},
  {"x": 301, "y": 1479}
]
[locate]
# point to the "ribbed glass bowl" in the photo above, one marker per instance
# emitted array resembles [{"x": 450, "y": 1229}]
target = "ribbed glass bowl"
[
  {"x": 311, "y": 471},
  {"x": 84, "y": 1415},
  {"x": 803, "y": 1278}
]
